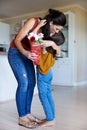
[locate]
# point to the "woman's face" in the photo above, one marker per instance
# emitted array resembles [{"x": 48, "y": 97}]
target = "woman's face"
[{"x": 55, "y": 28}]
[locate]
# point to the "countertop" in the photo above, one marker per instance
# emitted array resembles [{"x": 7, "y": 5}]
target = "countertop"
[{"x": 3, "y": 53}]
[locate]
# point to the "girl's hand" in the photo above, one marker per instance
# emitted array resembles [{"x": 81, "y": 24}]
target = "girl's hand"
[{"x": 57, "y": 48}]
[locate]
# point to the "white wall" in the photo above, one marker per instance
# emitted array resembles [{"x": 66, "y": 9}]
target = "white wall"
[{"x": 81, "y": 41}]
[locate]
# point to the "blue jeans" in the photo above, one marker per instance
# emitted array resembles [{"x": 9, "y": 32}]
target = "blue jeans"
[
  {"x": 45, "y": 94},
  {"x": 24, "y": 72}
]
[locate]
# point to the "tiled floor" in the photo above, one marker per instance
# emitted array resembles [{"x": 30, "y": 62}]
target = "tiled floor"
[{"x": 71, "y": 110}]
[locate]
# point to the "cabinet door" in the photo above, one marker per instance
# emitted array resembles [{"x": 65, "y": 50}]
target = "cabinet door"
[
  {"x": 4, "y": 33},
  {"x": 63, "y": 70},
  {"x": 63, "y": 73}
]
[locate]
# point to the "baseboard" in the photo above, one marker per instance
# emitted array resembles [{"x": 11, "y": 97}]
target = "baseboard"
[
  {"x": 7, "y": 101},
  {"x": 81, "y": 83}
]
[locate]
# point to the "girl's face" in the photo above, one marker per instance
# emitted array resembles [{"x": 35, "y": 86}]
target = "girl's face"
[{"x": 55, "y": 28}]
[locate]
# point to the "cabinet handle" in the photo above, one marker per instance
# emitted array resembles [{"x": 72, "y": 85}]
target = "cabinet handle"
[{"x": 64, "y": 50}]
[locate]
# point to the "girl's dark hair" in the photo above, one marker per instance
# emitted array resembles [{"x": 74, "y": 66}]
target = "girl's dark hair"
[
  {"x": 57, "y": 17},
  {"x": 59, "y": 39}
]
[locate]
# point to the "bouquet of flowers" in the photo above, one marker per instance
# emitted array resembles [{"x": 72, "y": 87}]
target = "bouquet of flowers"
[{"x": 34, "y": 40}]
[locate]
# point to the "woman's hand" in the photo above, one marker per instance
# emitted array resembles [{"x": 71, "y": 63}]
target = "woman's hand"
[
  {"x": 31, "y": 56},
  {"x": 42, "y": 23}
]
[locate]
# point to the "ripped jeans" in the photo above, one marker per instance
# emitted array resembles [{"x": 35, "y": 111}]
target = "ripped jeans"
[{"x": 24, "y": 73}]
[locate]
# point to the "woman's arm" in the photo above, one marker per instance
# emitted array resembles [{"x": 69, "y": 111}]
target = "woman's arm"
[
  {"x": 22, "y": 33},
  {"x": 41, "y": 23}
]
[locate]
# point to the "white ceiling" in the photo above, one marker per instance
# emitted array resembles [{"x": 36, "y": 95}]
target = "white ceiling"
[{"x": 11, "y": 8}]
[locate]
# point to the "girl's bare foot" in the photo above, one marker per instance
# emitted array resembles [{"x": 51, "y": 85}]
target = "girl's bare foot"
[{"x": 48, "y": 123}]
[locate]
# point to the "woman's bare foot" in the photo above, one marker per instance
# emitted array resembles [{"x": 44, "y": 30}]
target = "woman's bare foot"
[
  {"x": 33, "y": 118},
  {"x": 25, "y": 122},
  {"x": 48, "y": 123}
]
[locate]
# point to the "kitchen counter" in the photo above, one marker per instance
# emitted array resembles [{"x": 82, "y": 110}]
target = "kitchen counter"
[
  {"x": 8, "y": 82},
  {"x": 3, "y": 53}
]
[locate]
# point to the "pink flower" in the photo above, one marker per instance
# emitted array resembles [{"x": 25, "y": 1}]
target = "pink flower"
[
  {"x": 32, "y": 39},
  {"x": 40, "y": 35}
]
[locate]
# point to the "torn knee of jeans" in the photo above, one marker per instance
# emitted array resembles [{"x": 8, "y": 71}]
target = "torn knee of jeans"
[{"x": 24, "y": 75}]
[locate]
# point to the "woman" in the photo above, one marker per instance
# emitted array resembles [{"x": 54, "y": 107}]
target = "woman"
[{"x": 21, "y": 62}]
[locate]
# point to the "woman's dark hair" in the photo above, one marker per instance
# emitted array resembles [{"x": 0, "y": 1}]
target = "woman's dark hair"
[
  {"x": 59, "y": 39},
  {"x": 57, "y": 17}
]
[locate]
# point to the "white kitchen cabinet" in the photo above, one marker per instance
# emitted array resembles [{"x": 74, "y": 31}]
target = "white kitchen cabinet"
[
  {"x": 64, "y": 69},
  {"x": 8, "y": 83},
  {"x": 4, "y": 33}
]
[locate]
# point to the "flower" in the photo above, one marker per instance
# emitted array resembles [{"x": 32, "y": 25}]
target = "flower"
[
  {"x": 34, "y": 42},
  {"x": 33, "y": 37}
]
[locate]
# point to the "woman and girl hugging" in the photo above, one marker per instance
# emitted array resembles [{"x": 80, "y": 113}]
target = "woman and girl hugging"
[{"x": 21, "y": 60}]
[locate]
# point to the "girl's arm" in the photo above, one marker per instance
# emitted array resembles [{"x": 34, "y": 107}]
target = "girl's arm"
[{"x": 47, "y": 43}]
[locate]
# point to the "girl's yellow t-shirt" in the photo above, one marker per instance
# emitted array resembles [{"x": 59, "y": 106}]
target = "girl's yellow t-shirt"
[{"x": 46, "y": 62}]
